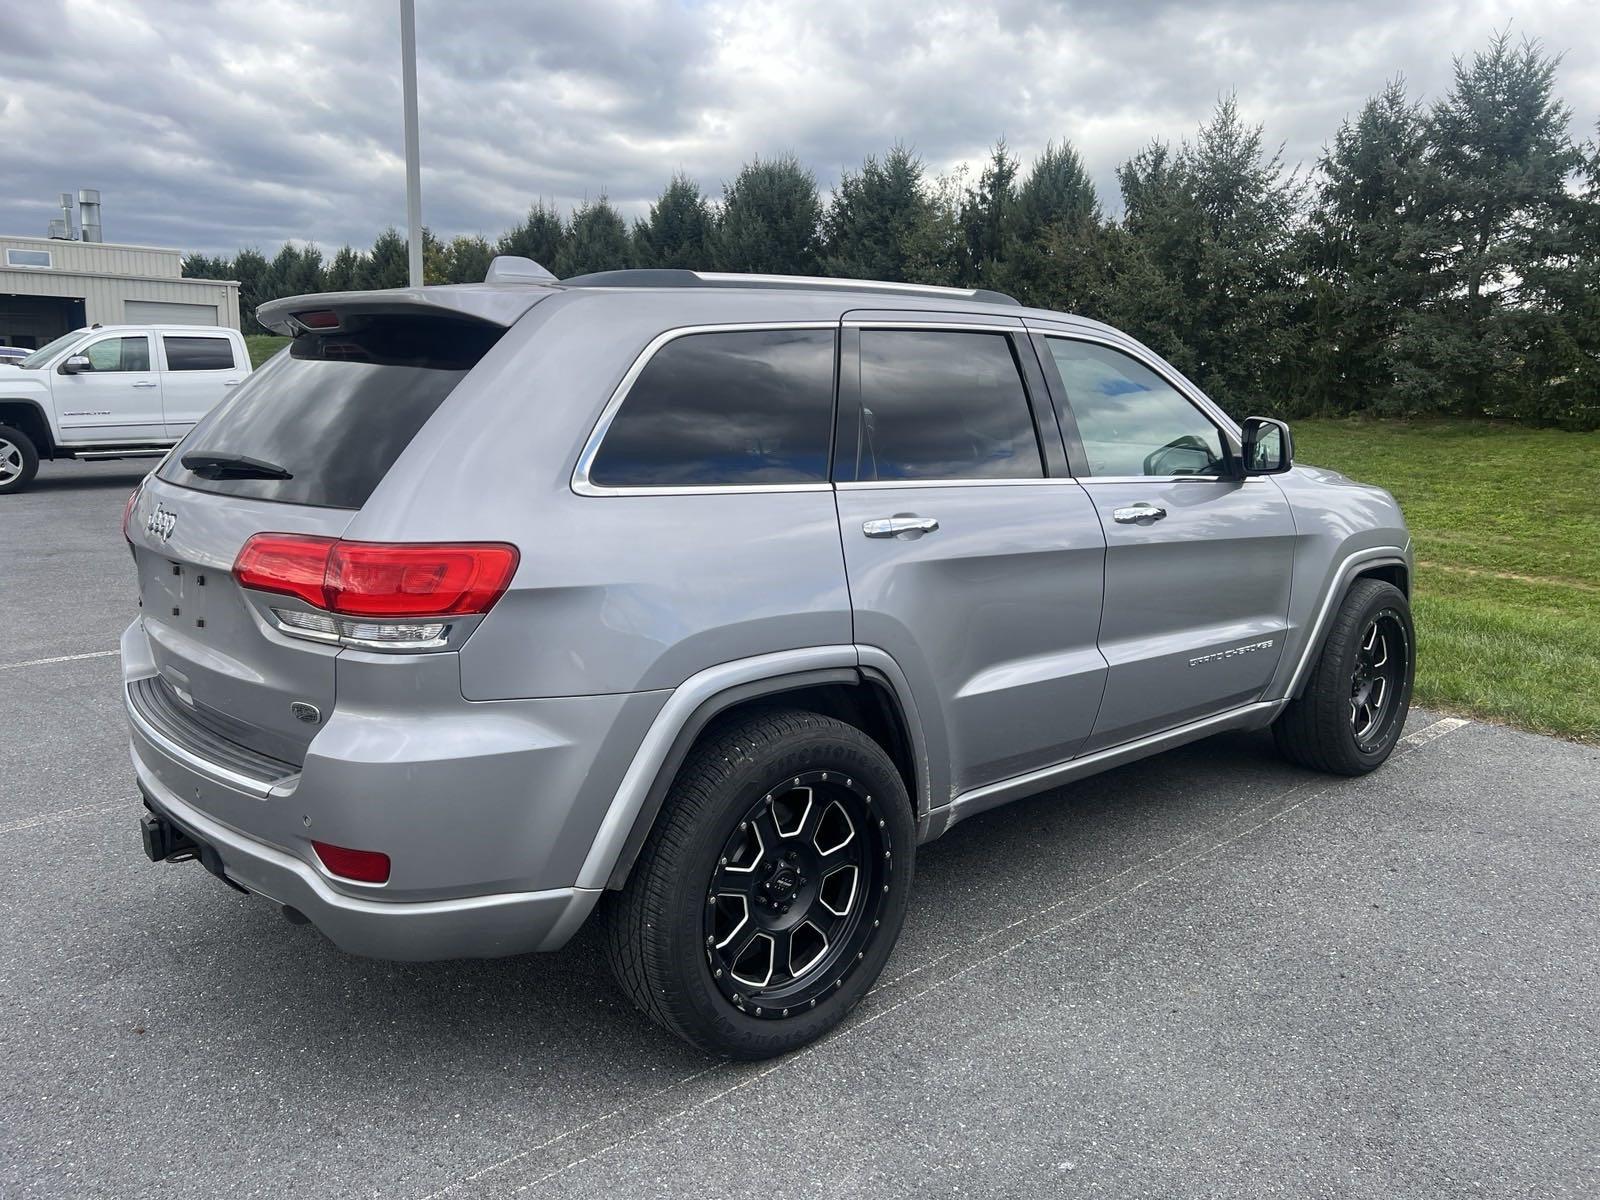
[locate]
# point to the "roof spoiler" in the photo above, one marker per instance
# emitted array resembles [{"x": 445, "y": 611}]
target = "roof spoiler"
[{"x": 499, "y": 306}]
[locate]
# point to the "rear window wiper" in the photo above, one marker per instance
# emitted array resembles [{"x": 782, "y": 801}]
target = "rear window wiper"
[{"x": 208, "y": 464}]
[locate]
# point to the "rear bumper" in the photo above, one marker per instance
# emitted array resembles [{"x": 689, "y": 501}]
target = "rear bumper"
[
  {"x": 468, "y": 927},
  {"x": 486, "y": 811}
]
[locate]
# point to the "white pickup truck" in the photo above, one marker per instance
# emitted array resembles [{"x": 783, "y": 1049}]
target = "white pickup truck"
[{"x": 119, "y": 391}]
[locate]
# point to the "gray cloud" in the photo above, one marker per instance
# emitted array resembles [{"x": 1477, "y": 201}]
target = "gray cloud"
[{"x": 216, "y": 125}]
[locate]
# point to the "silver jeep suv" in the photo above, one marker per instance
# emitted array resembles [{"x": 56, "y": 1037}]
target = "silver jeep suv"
[{"x": 704, "y": 600}]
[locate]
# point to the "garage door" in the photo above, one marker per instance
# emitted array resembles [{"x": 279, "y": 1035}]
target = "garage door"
[{"x": 162, "y": 312}]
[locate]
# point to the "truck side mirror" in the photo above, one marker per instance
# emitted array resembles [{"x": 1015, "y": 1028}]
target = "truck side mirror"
[
  {"x": 78, "y": 362},
  {"x": 1268, "y": 447}
]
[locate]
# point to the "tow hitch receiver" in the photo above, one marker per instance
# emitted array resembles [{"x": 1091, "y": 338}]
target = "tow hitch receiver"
[{"x": 163, "y": 840}]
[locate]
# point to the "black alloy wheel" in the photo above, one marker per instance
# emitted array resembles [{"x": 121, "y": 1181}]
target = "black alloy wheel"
[
  {"x": 772, "y": 887},
  {"x": 1382, "y": 655},
  {"x": 797, "y": 892}
]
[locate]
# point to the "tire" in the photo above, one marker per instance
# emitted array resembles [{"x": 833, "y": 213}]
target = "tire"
[
  {"x": 19, "y": 460},
  {"x": 707, "y": 864},
  {"x": 1340, "y": 723}
]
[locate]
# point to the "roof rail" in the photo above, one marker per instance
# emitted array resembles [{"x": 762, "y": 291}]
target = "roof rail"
[{"x": 653, "y": 277}]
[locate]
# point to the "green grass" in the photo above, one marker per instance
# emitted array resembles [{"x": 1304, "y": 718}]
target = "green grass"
[
  {"x": 1506, "y": 522},
  {"x": 263, "y": 346}
]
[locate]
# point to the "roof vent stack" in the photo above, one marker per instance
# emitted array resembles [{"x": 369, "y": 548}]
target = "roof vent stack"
[
  {"x": 89, "y": 213},
  {"x": 61, "y": 227}
]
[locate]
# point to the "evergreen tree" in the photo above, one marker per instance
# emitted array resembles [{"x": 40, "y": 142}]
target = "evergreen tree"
[
  {"x": 344, "y": 272},
  {"x": 435, "y": 259},
  {"x": 770, "y": 219},
  {"x": 295, "y": 271},
  {"x": 1563, "y": 333},
  {"x": 539, "y": 237},
  {"x": 597, "y": 240},
  {"x": 201, "y": 266},
  {"x": 1365, "y": 254},
  {"x": 985, "y": 216},
  {"x": 676, "y": 234},
  {"x": 877, "y": 219},
  {"x": 1051, "y": 231},
  {"x": 935, "y": 247},
  {"x": 1499, "y": 216},
  {"x": 1204, "y": 261},
  {"x": 253, "y": 272},
  {"x": 466, "y": 259},
  {"x": 387, "y": 266}
]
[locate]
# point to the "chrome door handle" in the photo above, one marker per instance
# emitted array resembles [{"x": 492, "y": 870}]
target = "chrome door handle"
[
  {"x": 1142, "y": 511},
  {"x": 230, "y": 383},
  {"x": 887, "y": 527},
  {"x": 147, "y": 383}
]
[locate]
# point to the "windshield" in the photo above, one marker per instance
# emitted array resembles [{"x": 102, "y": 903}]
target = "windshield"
[{"x": 46, "y": 352}]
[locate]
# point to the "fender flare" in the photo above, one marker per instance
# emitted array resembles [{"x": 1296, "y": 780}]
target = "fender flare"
[
  {"x": 1349, "y": 570},
  {"x": 691, "y": 707}
]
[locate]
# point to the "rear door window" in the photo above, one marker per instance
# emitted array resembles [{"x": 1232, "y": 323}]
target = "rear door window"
[
  {"x": 742, "y": 408},
  {"x": 943, "y": 404},
  {"x": 198, "y": 353},
  {"x": 337, "y": 410}
]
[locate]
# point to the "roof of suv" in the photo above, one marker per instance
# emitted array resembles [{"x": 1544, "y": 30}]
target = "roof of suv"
[{"x": 513, "y": 286}]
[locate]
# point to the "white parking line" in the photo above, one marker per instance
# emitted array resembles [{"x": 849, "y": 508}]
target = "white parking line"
[
  {"x": 1437, "y": 730},
  {"x": 66, "y": 814},
  {"x": 45, "y": 662}
]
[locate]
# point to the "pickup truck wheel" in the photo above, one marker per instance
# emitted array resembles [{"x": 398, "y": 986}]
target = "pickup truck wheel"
[
  {"x": 772, "y": 889},
  {"x": 1354, "y": 706},
  {"x": 19, "y": 461}
]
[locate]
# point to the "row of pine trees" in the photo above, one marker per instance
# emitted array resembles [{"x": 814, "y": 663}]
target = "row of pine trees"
[{"x": 1440, "y": 259}]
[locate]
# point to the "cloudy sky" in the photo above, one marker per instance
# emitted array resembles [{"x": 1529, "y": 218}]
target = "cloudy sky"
[{"x": 214, "y": 125}]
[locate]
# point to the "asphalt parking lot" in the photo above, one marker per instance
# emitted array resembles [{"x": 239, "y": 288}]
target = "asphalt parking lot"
[{"x": 1208, "y": 974}]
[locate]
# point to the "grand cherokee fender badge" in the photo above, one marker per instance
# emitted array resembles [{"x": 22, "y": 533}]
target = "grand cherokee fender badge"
[
  {"x": 161, "y": 523},
  {"x": 1233, "y": 652}
]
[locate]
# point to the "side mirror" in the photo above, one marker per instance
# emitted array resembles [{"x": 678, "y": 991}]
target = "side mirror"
[
  {"x": 1268, "y": 448},
  {"x": 78, "y": 362}
]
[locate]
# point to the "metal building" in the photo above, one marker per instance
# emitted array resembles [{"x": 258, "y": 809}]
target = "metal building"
[{"x": 49, "y": 286}]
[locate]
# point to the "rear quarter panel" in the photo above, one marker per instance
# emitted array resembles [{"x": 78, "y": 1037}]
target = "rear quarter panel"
[{"x": 614, "y": 593}]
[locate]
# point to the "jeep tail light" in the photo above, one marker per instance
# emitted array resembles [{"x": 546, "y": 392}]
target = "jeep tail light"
[
  {"x": 402, "y": 593},
  {"x": 363, "y": 866}
]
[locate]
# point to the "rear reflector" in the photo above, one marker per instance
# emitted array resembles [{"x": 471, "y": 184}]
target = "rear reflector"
[
  {"x": 377, "y": 579},
  {"x": 364, "y": 866}
]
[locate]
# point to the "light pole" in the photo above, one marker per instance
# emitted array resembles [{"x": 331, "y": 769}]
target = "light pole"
[{"x": 408, "y": 77}]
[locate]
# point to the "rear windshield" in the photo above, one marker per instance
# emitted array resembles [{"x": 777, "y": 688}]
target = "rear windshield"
[{"x": 334, "y": 412}]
